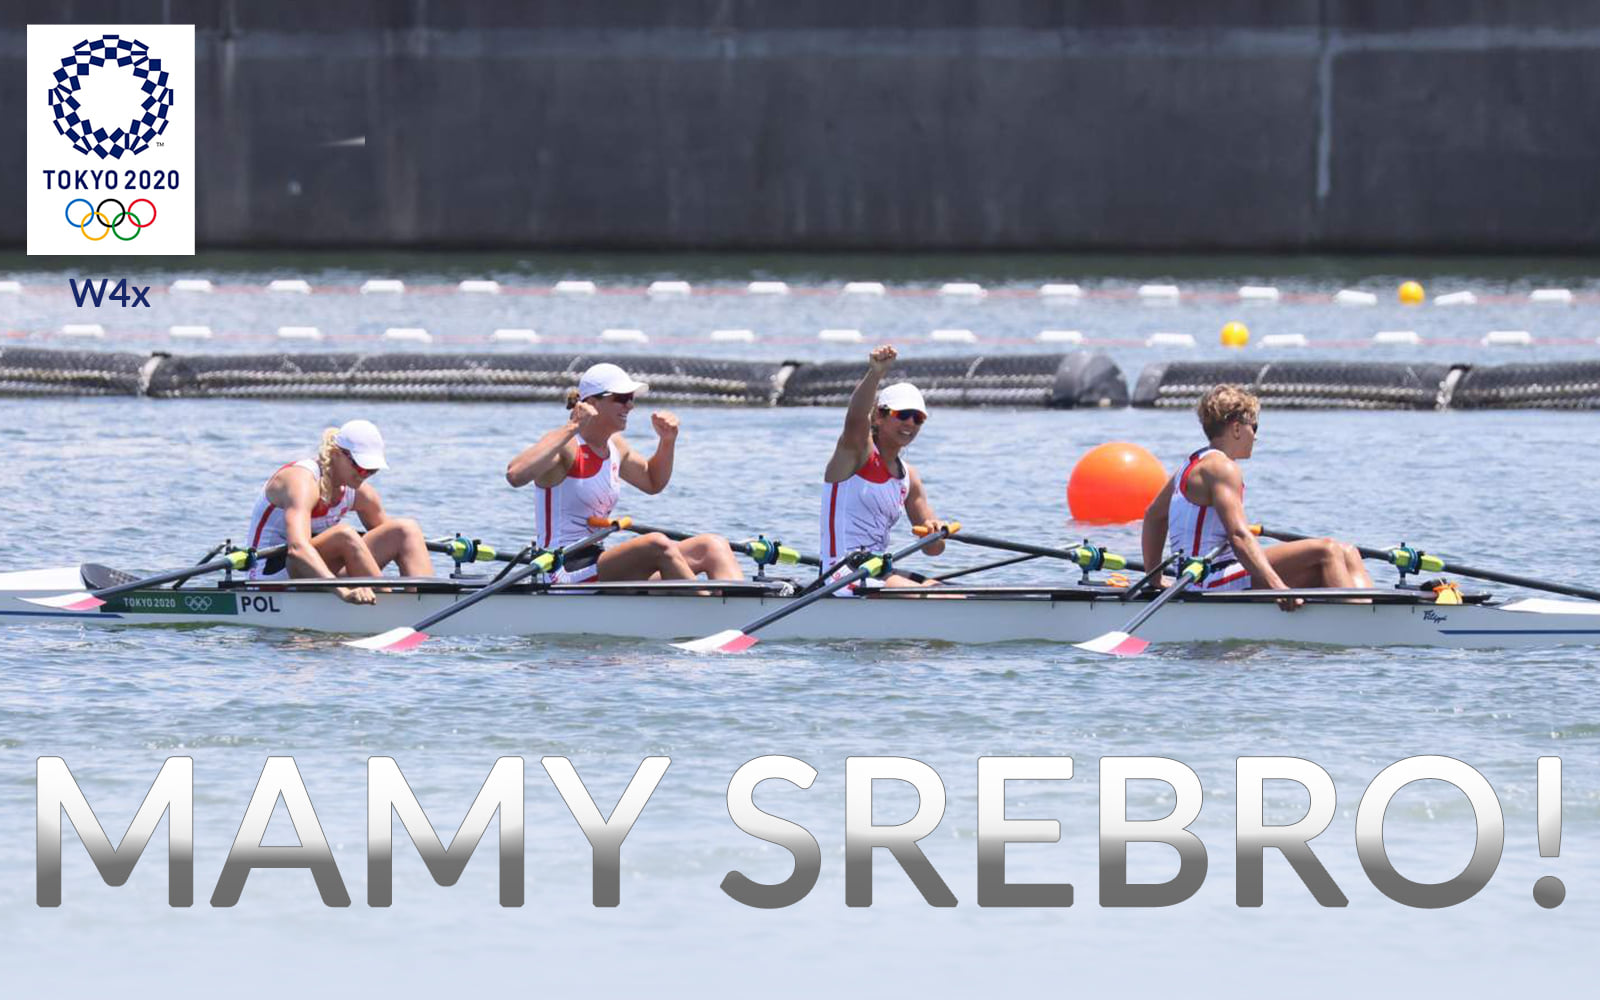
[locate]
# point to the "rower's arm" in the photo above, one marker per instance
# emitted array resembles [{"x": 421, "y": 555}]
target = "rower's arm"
[
  {"x": 369, "y": 508},
  {"x": 1153, "y": 537},
  {"x": 920, "y": 511},
  {"x": 855, "y": 441},
  {"x": 645, "y": 475},
  {"x": 547, "y": 459},
  {"x": 294, "y": 490},
  {"x": 1226, "y": 487}
]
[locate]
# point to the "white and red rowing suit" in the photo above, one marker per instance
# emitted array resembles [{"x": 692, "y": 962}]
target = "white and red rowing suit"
[
  {"x": 590, "y": 490},
  {"x": 267, "y": 528},
  {"x": 1196, "y": 529},
  {"x": 859, "y": 512}
]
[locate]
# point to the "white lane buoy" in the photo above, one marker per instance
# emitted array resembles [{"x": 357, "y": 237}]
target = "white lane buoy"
[
  {"x": 1507, "y": 338},
  {"x": 840, "y": 336},
  {"x": 299, "y": 333},
  {"x": 410, "y": 334},
  {"x": 516, "y": 335},
  {"x": 1285, "y": 340},
  {"x": 479, "y": 286},
  {"x": 189, "y": 332},
  {"x": 1060, "y": 336},
  {"x": 1065, "y": 292},
  {"x": 574, "y": 287},
  {"x": 1456, "y": 299},
  {"x": 733, "y": 336},
  {"x": 615, "y": 336},
  {"x": 382, "y": 286},
  {"x": 767, "y": 288},
  {"x": 94, "y": 330},
  {"x": 953, "y": 336},
  {"x": 1351, "y": 297},
  {"x": 962, "y": 290},
  {"x": 1159, "y": 294},
  {"x": 1394, "y": 337},
  {"x": 191, "y": 285},
  {"x": 668, "y": 289},
  {"x": 1258, "y": 293},
  {"x": 10, "y": 288},
  {"x": 863, "y": 288},
  {"x": 1169, "y": 340},
  {"x": 298, "y": 286},
  {"x": 1551, "y": 296}
]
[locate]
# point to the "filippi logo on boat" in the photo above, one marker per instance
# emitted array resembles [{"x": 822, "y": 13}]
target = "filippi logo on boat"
[{"x": 111, "y": 123}]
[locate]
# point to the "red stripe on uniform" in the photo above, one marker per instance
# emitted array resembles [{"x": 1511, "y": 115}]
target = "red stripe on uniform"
[
  {"x": 833, "y": 507},
  {"x": 255, "y": 540},
  {"x": 1227, "y": 579}
]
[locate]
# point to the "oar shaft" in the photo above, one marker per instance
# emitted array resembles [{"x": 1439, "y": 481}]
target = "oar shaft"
[
  {"x": 539, "y": 563},
  {"x": 1387, "y": 556},
  {"x": 1189, "y": 574},
  {"x": 743, "y": 548},
  {"x": 859, "y": 574},
  {"x": 183, "y": 574},
  {"x": 942, "y": 577}
]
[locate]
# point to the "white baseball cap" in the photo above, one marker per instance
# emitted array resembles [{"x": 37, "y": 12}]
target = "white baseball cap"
[
  {"x": 607, "y": 377},
  {"x": 365, "y": 445},
  {"x": 902, "y": 396}
]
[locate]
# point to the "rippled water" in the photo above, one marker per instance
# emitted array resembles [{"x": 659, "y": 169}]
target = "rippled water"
[{"x": 144, "y": 484}]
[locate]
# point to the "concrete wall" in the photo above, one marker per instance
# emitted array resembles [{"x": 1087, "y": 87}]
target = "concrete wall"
[{"x": 1275, "y": 124}]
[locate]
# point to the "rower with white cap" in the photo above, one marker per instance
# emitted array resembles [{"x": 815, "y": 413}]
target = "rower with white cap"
[
  {"x": 303, "y": 504},
  {"x": 578, "y": 469},
  {"x": 867, "y": 483}
]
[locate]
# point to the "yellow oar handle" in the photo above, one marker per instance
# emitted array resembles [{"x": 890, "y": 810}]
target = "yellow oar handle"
[
  {"x": 766, "y": 552},
  {"x": 240, "y": 559},
  {"x": 922, "y": 529},
  {"x": 463, "y": 550}
]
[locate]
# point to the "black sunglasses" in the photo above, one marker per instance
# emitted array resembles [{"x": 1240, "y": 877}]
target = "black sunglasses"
[
  {"x": 915, "y": 416},
  {"x": 623, "y": 398}
]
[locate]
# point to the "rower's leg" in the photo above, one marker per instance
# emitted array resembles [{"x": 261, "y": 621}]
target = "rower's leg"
[
  {"x": 1357, "y": 566},
  {"x": 896, "y": 580},
  {"x": 710, "y": 554},
  {"x": 638, "y": 558},
  {"x": 1311, "y": 562},
  {"x": 344, "y": 552},
  {"x": 399, "y": 540}
]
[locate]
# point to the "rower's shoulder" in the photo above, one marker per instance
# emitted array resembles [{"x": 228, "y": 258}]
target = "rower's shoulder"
[{"x": 1217, "y": 465}]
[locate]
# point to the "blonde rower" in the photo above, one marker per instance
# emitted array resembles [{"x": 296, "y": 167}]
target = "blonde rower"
[
  {"x": 578, "y": 468},
  {"x": 1202, "y": 507},
  {"x": 868, "y": 482},
  {"x": 303, "y": 505}
]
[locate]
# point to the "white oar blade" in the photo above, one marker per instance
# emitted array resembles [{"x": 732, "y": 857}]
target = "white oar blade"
[
  {"x": 728, "y": 641},
  {"x": 68, "y": 602},
  {"x": 1115, "y": 644},
  {"x": 396, "y": 640}
]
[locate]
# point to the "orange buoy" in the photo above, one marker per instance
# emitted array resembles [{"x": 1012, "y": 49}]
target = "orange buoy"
[
  {"x": 1411, "y": 293},
  {"x": 1114, "y": 483},
  {"x": 1235, "y": 334}
]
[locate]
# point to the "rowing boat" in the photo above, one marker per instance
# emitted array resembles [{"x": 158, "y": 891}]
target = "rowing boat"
[{"x": 674, "y": 610}]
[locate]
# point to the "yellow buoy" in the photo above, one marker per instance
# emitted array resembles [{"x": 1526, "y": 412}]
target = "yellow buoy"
[
  {"x": 1235, "y": 334},
  {"x": 1411, "y": 293}
]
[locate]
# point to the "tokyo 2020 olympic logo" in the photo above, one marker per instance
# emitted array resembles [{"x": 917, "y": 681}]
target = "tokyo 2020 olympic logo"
[{"x": 142, "y": 128}]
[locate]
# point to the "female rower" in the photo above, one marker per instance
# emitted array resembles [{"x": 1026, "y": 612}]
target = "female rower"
[
  {"x": 577, "y": 468},
  {"x": 867, "y": 483},
  {"x": 1202, "y": 507},
  {"x": 303, "y": 504}
]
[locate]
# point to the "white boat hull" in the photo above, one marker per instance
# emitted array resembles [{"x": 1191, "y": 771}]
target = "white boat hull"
[{"x": 1000, "y": 616}]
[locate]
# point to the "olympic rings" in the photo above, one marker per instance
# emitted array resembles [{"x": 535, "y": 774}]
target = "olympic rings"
[{"x": 124, "y": 213}]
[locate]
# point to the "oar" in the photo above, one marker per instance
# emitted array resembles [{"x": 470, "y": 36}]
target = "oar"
[
  {"x": 466, "y": 550},
  {"x": 982, "y": 567},
  {"x": 737, "y": 640},
  {"x": 764, "y": 551},
  {"x": 1410, "y": 560},
  {"x": 1123, "y": 642},
  {"x": 238, "y": 559},
  {"x": 398, "y": 640},
  {"x": 1090, "y": 557}
]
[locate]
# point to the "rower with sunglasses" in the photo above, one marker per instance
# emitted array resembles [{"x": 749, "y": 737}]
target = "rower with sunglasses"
[
  {"x": 867, "y": 482},
  {"x": 578, "y": 469},
  {"x": 303, "y": 504},
  {"x": 1202, "y": 508}
]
